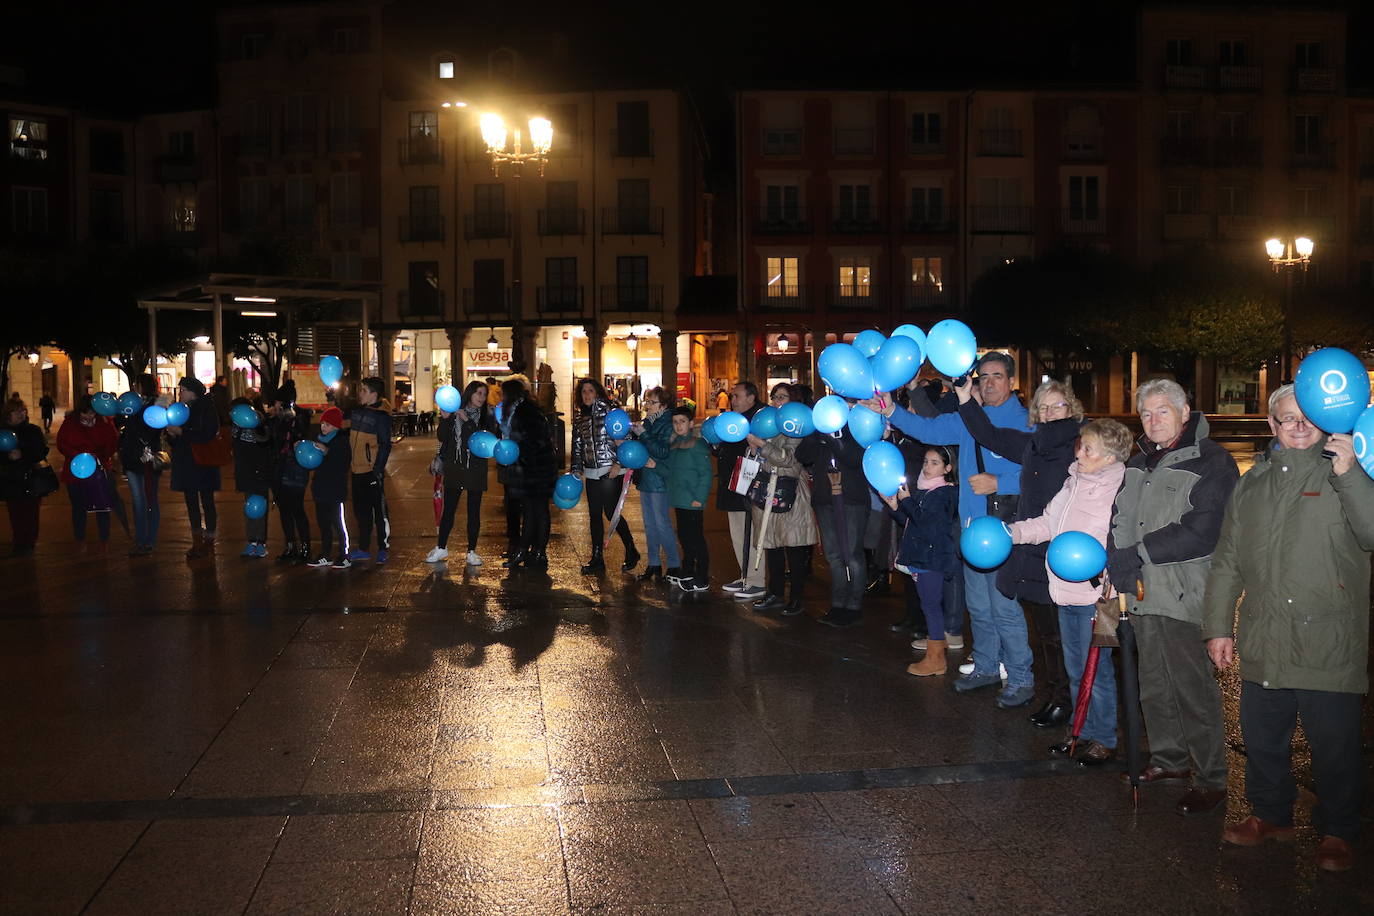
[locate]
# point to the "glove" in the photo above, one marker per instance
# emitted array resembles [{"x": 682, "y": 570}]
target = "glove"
[{"x": 1124, "y": 564}]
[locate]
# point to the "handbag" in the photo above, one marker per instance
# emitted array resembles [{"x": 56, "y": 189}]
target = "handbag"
[
  {"x": 40, "y": 481},
  {"x": 1107, "y": 618},
  {"x": 746, "y": 469},
  {"x": 97, "y": 492},
  {"x": 217, "y": 452},
  {"x": 783, "y": 492},
  {"x": 1000, "y": 505},
  {"x": 157, "y": 462}
]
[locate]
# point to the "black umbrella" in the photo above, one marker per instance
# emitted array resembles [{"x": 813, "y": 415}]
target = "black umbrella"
[{"x": 1130, "y": 685}]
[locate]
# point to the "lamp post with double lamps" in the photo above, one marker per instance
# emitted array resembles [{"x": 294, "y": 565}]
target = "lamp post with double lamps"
[{"x": 1288, "y": 257}]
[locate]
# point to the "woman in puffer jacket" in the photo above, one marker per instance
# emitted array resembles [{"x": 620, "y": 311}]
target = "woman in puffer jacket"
[
  {"x": 461, "y": 469},
  {"x": 593, "y": 459},
  {"x": 1084, "y": 504}
]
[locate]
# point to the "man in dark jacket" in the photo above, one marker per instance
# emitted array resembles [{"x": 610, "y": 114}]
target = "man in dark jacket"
[
  {"x": 531, "y": 478},
  {"x": 329, "y": 488},
  {"x": 289, "y": 425},
  {"x": 1296, "y": 542},
  {"x": 369, "y": 437},
  {"x": 196, "y": 482},
  {"x": 744, "y": 399},
  {"x": 1165, "y": 525}
]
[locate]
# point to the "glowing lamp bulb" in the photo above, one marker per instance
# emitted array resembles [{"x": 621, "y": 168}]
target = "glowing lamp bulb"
[
  {"x": 493, "y": 131},
  {"x": 541, "y": 134},
  {"x": 1274, "y": 248},
  {"x": 1303, "y": 245}
]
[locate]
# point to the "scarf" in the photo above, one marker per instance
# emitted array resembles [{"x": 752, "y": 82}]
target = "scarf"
[
  {"x": 931, "y": 483},
  {"x": 326, "y": 439}
]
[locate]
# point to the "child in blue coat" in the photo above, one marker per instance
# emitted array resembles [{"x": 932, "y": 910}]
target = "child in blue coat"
[{"x": 927, "y": 550}]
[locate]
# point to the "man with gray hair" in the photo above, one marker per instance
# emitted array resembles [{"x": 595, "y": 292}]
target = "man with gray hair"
[{"x": 1166, "y": 523}]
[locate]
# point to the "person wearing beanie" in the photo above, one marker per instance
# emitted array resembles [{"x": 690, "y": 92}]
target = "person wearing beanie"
[
  {"x": 289, "y": 425},
  {"x": 196, "y": 482},
  {"x": 330, "y": 488},
  {"x": 369, "y": 427},
  {"x": 252, "y": 471}
]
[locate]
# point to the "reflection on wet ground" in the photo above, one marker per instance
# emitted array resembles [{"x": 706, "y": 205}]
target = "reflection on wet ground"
[{"x": 235, "y": 735}]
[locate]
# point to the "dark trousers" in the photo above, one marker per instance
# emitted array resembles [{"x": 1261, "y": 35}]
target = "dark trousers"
[
  {"x": 1180, "y": 699},
  {"x": 79, "y": 513},
  {"x": 691, "y": 534},
  {"x": 926, "y": 590},
  {"x": 953, "y": 600},
  {"x": 23, "y": 521},
  {"x": 1046, "y": 620},
  {"x": 602, "y": 495},
  {"x": 534, "y": 524},
  {"x": 515, "y": 510},
  {"x": 295, "y": 524},
  {"x": 786, "y": 566},
  {"x": 195, "y": 501},
  {"x": 330, "y": 517},
  {"x": 844, "y": 551},
  {"x": 1331, "y": 722},
  {"x": 369, "y": 508},
  {"x": 451, "y": 495}
]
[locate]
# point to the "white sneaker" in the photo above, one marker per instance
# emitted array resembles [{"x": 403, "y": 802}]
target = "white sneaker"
[
  {"x": 966, "y": 667},
  {"x": 474, "y": 559},
  {"x": 954, "y": 640},
  {"x": 920, "y": 644},
  {"x": 320, "y": 562},
  {"x": 437, "y": 554}
]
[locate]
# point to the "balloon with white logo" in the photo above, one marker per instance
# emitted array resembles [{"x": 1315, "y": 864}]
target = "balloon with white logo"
[
  {"x": 1332, "y": 389},
  {"x": 1363, "y": 439}
]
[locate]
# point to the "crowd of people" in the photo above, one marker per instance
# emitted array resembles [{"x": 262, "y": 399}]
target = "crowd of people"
[{"x": 1186, "y": 539}]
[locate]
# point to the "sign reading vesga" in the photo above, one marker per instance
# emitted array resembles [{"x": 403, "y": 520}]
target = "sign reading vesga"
[{"x": 488, "y": 359}]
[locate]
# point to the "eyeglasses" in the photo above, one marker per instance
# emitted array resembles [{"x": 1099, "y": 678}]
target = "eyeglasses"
[
  {"x": 1046, "y": 408},
  {"x": 1288, "y": 423}
]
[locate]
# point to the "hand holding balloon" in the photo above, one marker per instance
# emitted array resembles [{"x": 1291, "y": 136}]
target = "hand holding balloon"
[
  {"x": 1340, "y": 448},
  {"x": 963, "y": 386}
]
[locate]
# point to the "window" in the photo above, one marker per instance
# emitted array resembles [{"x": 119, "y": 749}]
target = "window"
[
  {"x": 1307, "y": 130},
  {"x": 1083, "y": 197},
  {"x": 345, "y": 41},
  {"x": 1180, "y": 199},
  {"x": 632, "y": 137},
  {"x": 256, "y": 133},
  {"x": 489, "y": 211},
  {"x": 999, "y": 204},
  {"x": 1179, "y": 123},
  {"x": 856, "y": 204},
  {"x": 254, "y": 199},
  {"x": 782, "y": 204},
  {"x": 301, "y": 124},
  {"x": 564, "y": 120},
  {"x": 1000, "y": 137},
  {"x": 28, "y": 138},
  {"x": 345, "y": 199},
  {"x": 299, "y": 210},
  {"x": 855, "y": 274},
  {"x": 29, "y": 211},
  {"x": 927, "y": 131},
  {"x": 1232, "y": 125},
  {"x": 632, "y": 204},
  {"x": 181, "y": 144},
  {"x": 1233, "y": 200},
  {"x": 562, "y": 216},
  {"x": 424, "y": 213},
  {"x": 779, "y": 141},
  {"x": 251, "y": 46},
  {"x": 107, "y": 151},
  {"x": 1178, "y": 52},
  {"x": 346, "y": 266},
  {"x": 343, "y": 124},
  {"x": 927, "y": 275},
  {"x": 927, "y": 207},
  {"x": 445, "y": 69},
  {"x": 1309, "y": 201},
  {"x": 424, "y": 125},
  {"x": 560, "y": 283},
  {"x": 632, "y": 282},
  {"x": 107, "y": 215},
  {"x": 489, "y": 284},
  {"x": 1308, "y": 53},
  {"x": 1231, "y": 52},
  {"x": 424, "y": 296},
  {"x": 784, "y": 278}
]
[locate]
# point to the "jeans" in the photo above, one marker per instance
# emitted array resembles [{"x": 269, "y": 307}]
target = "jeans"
[
  {"x": 369, "y": 507},
  {"x": 695, "y": 559},
  {"x": 658, "y": 529},
  {"x": 79, "y": 513},
  {"x": 143, "y": 502},
  {"x": 848, "y": 574},
  {"x": 1076, "y": 635},
  {"x": 999, "y": 630},
  {"x": 451, "y": 497}
]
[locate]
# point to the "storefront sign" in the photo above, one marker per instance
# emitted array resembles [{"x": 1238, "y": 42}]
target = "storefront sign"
[
  {"x": 684, "y": 385},
  {"x": 483, "y": 360}
]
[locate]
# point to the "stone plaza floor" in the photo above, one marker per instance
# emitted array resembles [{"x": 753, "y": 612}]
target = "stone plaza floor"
[{"x": 233, "y": 735}]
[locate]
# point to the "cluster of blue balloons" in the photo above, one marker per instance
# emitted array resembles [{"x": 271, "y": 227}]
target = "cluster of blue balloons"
[
  {"x": 482, "y": 443},
  {"x": 331, "y": 371},
  {"x": 567, "y": 491},
  {"x": 448, "y": 399}
]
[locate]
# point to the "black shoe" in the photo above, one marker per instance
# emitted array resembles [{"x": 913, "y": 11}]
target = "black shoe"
[
  {"x": 769, "y": 603},
  {"x": 1061, "y": 749},
  {"x": 537, "y": 560},
  {"x": 907, "y": 624},
  {"x": 839, "y": 617},
  {"x": 515, "y": 560},
  {"x": 675, "y": 575},
  {"x": 595, "y": 565},
  {"x": 651, "y": 572},
  {"x": 793, "y": 608},
  {"x": 303, "y": 554},
  {"x": 289, "y": 554},
  {"x": 631, "y": 559},
  {"x": 1049, "y": 715}
]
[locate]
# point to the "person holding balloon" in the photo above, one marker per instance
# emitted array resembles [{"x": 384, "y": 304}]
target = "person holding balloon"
[
  {"x": 532, "y": 475},
  {"x": 85, "y": 432},
  {"x": 686, "y": 471},
  {"x": 196, "y": 482},
  {"x": 593, "y": 459},
  {"x": 252, "y": 447},
  {"x": 784, "y": 533},
  {"x": 1084, "y": 504},
  {"x": 23, "y": 448},
  {"x": 288, "y": 426},
  {"x": 655, "y": 434},
  {"x": 841, "y": 501},
  {"x": 462, "y": 470},
  {"x": 329, "y": 489},
  {"x": 143, "y": 460},
  {"x": 369, "y": 438}
]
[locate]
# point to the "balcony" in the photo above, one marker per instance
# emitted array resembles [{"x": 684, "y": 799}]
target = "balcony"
[
  {"x": 786, "y": 141},
  {"x": 1083, "y": 146},
  {"x": 1187, "y": 226},
  {"x": 255, "y": 143},
  {"x": 783, "y": 297},
  {"x": 857, "y": 222},
  {"x": 865, "y": 297},
  {"x": 1235, "y": 227},
  {"x": 928, "y": 222},
  {"x": 177, "y": 169},
  {"x": 1322, "y": 228},
  {"x": 428, "y": 227},
  {"x": 301, "y": 141},
  {"x": 1083, "y": 221},
  {"x": 1008, "y": 220},
  {"x": 1183, "y": 151},
  {"x": 1240, "y": 78},
  {"x": 346, "y": 217},
  {"x": 632, "y": 298},
  {"x": 420, "y": 151},
  {"x": 345, "y": 140},
  {"x": 1236, "y": 152},
  {"x": 782, "y": 221},
  {"x": 632, "y": 221},
  {"x": 999, "y": 143},
  {"x": 563, "y": 222},
  {"x": 421, "y": 303},
  {"x": 553, "y": 300},
  {"x": 1314, "y": 79},
  {"x": 487, "y": 301},
  {"x": 637, "y": 144},
  {"x": 1185, "y": 76},
  {"x": 927, "y": 296},
  {"x": 486, "y": 226},
  {"x": 853, "y": 141},
  {"x": 1314, "y": 156}
]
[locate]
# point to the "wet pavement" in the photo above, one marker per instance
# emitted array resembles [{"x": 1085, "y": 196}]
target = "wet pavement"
[{"x": 231, "y": 735}]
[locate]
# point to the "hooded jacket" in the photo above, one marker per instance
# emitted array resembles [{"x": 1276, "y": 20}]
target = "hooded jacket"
[
  {"x": 1084, "y": 504},
  {"x": 928, "y": 538},
  {"x": 330, "y": 481}
]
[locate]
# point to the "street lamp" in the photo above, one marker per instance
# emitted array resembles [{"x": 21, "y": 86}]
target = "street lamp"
[
  {"x": 783, "y": 343},
  {"x": 1286, "y": 257},
  {"x": 632, "y": 343},
  {"x": 492, "y": 343}
]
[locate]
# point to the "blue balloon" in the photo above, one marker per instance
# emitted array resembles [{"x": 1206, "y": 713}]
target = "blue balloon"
[
  {"x": 765, "y": 423},
  {"x": 617, "y": 424},
  {"x": 952, "y": 348},
  {"x": 155, "y": 417},
  {"x": 915, "y": 333},
  {"x": 731, "y": 427},
  {"x": 869, "y": 342},
  {"x": 331, "y": 371},
  {"x": 985, "y": 543},
  {"x": 830, "y": 414},
  {"x": 482, "y": 443},
  {"x": 307, "y": 456},
  {"x": 708, "y": 431},
  {"x": 846, "y": 370},
  {"x": 255, "y": 506},
  {"x": 896, "y": 363},
  {"x": 564, "y": 504},
  {"x": 507, "y": 452},
  {"x": 448, "y": 399},
  {"x": 884, "y": 467},
  {"x": 794, "y": 419},
  {"x": 1332, "y": 388},
  {"x": 1076, "y": 556},
  {"x": 569, "y": 486},
  {"x": 631, "y": 454},
  {"x": 82, "y": 465},
  {"x": 178, "y": 414},
  {"x": 105, "y": 404},
  {"x": 8, "y": 440},
  {"x": 866, "y": 425},
  {"x": 1363, "y": 439},
  {"x": 244, "y": 416},
  {"x": 130, "y": 403}
]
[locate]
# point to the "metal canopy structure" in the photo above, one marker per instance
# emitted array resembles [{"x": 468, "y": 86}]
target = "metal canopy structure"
[{"x": 216, "y": 292}]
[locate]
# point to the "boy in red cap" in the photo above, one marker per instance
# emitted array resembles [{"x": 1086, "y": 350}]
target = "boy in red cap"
[{"x": 330, "y": 488}]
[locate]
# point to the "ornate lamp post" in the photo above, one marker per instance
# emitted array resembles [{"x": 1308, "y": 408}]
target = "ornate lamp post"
[
  {"x": 1286, "y": 257},
  {"x": 632, "y": 343}
]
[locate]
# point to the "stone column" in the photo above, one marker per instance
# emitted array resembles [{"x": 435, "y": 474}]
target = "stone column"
[
  {"x": 667, "y": 345},
  {"x": 386, "y": 362}
]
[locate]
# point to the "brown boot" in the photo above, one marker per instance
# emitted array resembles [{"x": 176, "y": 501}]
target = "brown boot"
[
  {"x": 199, "y": 547},
  {"x": 933, "y": 663}
]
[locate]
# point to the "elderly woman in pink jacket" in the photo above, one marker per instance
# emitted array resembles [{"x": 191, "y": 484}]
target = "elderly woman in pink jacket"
[{"x": 1085, "y": 504}]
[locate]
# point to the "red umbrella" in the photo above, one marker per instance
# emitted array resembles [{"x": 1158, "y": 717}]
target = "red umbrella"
[
  {"x": 1085, "y": 684},
  {"x": 438, "y": 498}
]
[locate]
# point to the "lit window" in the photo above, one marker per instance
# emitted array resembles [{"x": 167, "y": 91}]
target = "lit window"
[
  {"x": 854, "y": 277},
  {"x": 445, "y": 69},
  {"x": 28, "y": 138}
]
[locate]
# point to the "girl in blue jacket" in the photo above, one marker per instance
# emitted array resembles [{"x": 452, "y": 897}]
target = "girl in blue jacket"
[{"x": 927, "y": 551}]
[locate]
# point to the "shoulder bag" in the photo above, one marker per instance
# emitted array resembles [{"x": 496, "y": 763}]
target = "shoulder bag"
[
  {"x": 782, "y": 495},
  {"x": 40, "y": 481},
  {"x": 1000, "y": 505},
  {"x": 217, "y": 452}
]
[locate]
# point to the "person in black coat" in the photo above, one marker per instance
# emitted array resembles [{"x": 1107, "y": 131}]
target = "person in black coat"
[
  {"x": 16, "y": 469},
  {"x": 252, "y": 472},
  {"x": 196, "y": 482},
  {"x": 744, "y": 399},
  {"x": 329, "y": 488},
  {"x": 842, "y": 517},
  {"x": 532, "y": 477},
  {"x": 461, "y": 469},
  {"x": 142, "y": 456},
  {"x": 288, "y": 425}
]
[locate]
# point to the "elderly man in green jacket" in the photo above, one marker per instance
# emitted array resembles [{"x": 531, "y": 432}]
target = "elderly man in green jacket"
[{"x": 1296, "y": 543}]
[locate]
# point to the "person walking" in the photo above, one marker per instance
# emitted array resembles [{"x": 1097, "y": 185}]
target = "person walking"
[
  {"x": 142, "y": 456},
  {"x": 86, "y": 431},
  {"x": 533, "y": 474},
  {"x": 289, "y": 424},
  {"x": 593, "y": 460},
  {"x": 686, "y": 470},
  {"x": 329, "y": 489},
  {"x": 196, "y": 482},
  {"x": 253, "y": 473},
  {"x": 744, "y": 400},
  {"x": 656, "y": 434},
  {"x": 369, "y": 437},
  {"x": 463, "y": 472},
  {"x": 17, "y": 469},
  {"x": 48, "y": 408},
  {"x": 925, "y": 552}
]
